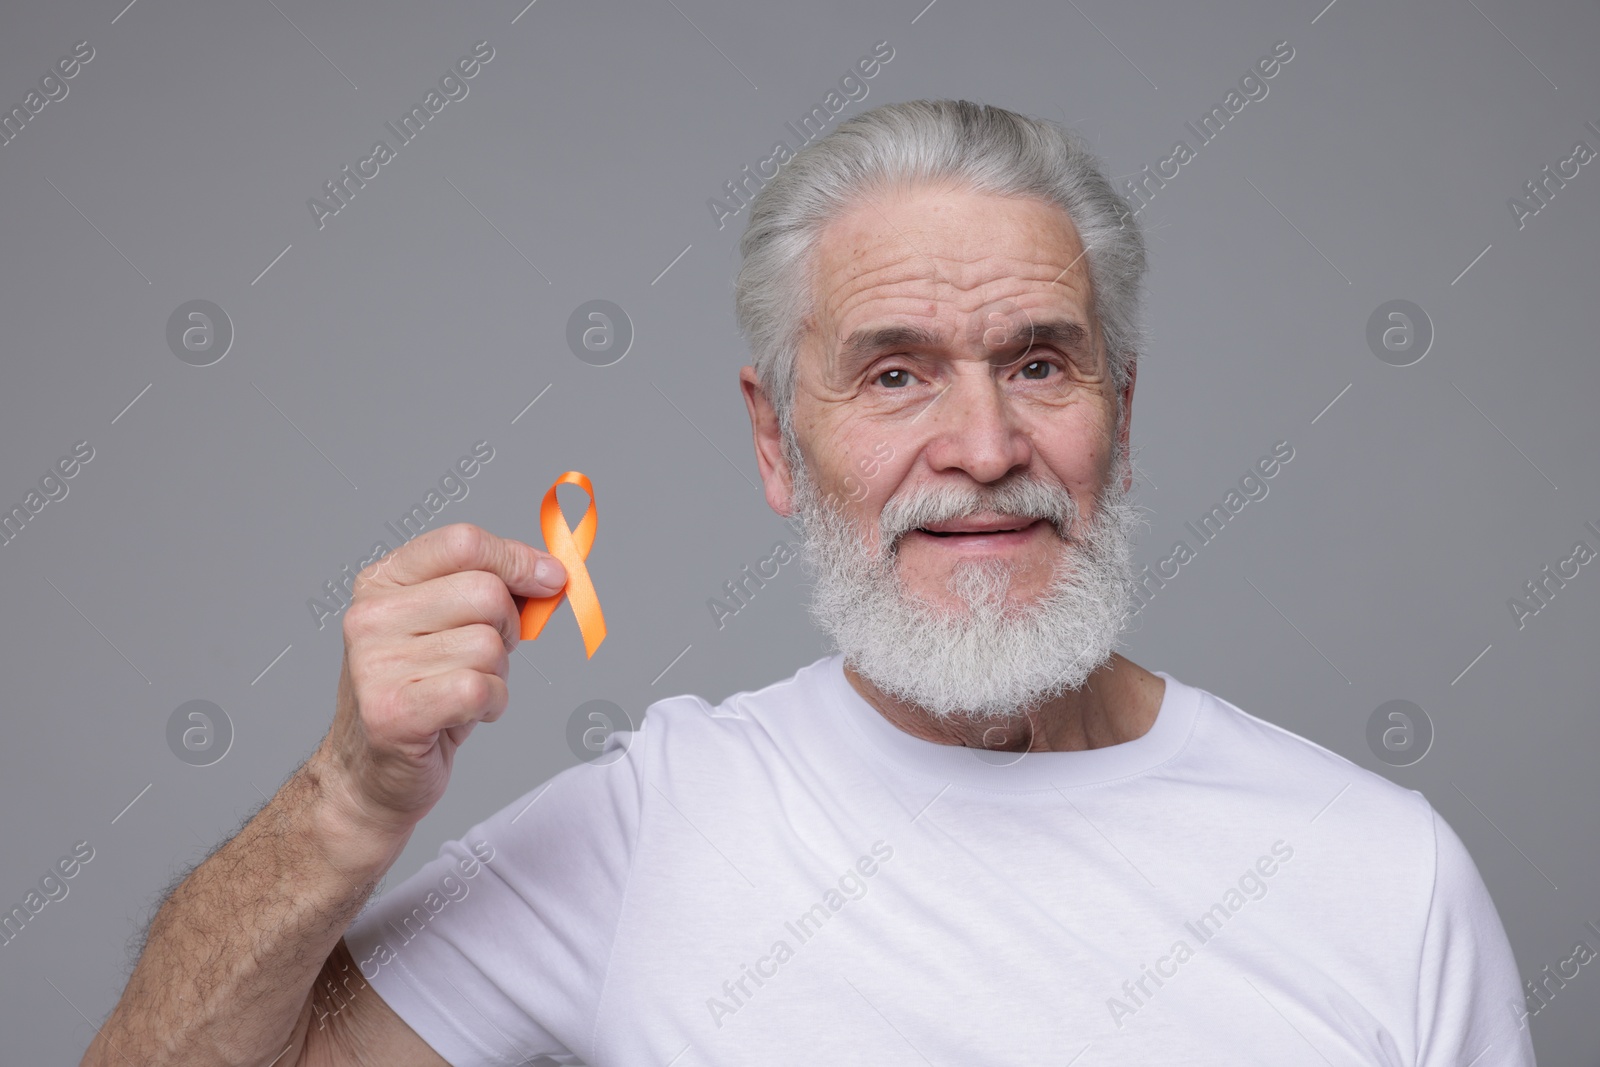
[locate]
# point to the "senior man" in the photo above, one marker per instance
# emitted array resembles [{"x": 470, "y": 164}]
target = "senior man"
[{"x": 975, "y": 834}]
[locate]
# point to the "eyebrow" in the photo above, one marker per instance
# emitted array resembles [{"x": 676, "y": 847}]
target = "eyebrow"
[{"x": 870, "y": 341}]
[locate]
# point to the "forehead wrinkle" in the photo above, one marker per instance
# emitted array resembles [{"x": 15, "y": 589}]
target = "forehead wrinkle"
[
  {"x": 1010, "y": 285},
  {"x": 1008, "y": 276},
  {"x": 931, "y": 264},
  {"x": 860, "y": 264},
  {"x": 961, "y": 267}
]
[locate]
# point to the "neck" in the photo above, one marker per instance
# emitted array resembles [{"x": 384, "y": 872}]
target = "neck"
[{"x": 1117, "y": 704}]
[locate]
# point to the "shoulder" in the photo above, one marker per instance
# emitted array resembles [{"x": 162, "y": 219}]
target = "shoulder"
[
  {"x": 773, "y": 713},
  {"x": 677, "y": 739},
  {"x": 1308, "y": 780},
  {"x": 1363, "y": 837}
]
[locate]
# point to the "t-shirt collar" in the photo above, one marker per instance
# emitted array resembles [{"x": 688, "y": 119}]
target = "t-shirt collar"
[{"x": 1012, "y": 771}]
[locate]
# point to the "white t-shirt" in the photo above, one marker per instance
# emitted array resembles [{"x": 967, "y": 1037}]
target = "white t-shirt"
[{"x": 788, "y": 878}]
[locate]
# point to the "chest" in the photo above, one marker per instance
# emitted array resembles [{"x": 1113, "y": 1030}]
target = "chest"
[{"x": 876, "y": 931}]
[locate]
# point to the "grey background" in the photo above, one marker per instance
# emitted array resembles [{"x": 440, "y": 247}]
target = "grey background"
[{"x": 426, "y": 315}]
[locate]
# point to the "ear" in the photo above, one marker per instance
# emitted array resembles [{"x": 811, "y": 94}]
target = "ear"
[
  {"x": 769, "y": 443},
  {"x": 1127, "y": 416}
]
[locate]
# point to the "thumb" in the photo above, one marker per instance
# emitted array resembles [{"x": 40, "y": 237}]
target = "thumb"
[{"x": 529, "y": 572}]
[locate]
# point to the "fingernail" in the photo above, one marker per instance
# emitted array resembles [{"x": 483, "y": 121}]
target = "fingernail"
[{"x": 549, "y": 572}]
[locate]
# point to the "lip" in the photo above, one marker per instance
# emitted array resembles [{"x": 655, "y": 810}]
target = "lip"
[
  {"x": 983, "y": 535},
  {"x": 980, "y": 524}
]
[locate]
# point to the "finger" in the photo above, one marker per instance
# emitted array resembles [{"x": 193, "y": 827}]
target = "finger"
[
  {"x": 444, "y": 603},
  {"x": 455, "y": 600},
  {"x": 462, "y": 546},
  {"x": 477, "y": 646},
  {"x": 454, "y": 698}
]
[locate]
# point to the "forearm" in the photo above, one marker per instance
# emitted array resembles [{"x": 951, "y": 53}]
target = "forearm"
[{"x": 228, "y": 968}]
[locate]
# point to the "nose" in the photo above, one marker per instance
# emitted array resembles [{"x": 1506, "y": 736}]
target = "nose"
[{"x": 975, "y": 429}]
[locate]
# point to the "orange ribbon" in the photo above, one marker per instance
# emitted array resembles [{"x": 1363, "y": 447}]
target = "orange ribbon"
[{"x": 571, "y": 547}]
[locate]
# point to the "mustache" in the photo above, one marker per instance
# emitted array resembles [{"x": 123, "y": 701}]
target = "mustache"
[{"x": 1023, "y": 497}]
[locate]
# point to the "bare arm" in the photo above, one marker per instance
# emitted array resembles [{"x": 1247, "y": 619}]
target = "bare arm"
[
  {"x": 229, "y": 965},
  {"x": 350, "y": 1023},
  {"x": 244, "y": 963}
]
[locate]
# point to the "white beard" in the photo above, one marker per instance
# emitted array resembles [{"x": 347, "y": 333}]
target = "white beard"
[{"x": 1001, "y": 658}]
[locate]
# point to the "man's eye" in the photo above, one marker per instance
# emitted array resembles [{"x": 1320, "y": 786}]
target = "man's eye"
[
  {"x": 1036, "y": 369},
  {"x": 896, "y": 378}
]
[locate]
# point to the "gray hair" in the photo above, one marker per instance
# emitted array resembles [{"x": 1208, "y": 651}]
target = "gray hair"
[{"x": 985, "y": 148}]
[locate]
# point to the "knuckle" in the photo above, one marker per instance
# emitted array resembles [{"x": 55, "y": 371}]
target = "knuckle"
[
  {"x": 374, "y": 616},
  {"x": 367, "y": 576},
  {"x": 481, "y": 643},
  {"x": 470, "y": 689},
  {"x": 359, "y": 619},
  {"x": 484, "y": 590},
  {"x": 465, "y": 543},
  {"x": 497, "y": 706}
]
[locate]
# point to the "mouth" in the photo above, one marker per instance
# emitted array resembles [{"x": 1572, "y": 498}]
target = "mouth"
[{"x": 975, "y": 533}]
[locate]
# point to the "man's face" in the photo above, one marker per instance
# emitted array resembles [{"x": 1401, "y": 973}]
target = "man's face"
[
  {"x": 962, "y": 485},
  {"x": 1009, "y": 381}
]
